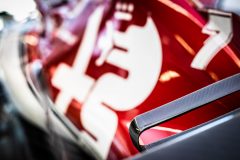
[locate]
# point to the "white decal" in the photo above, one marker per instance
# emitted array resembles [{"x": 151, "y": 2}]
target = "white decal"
[
  {"x": 220, "y": 30},
  {"x": 123, "y": 11},
  {"x": 141, "y": 57}
]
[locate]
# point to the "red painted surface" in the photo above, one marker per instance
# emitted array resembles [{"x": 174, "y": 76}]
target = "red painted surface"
[{"x": 179, "y": 25}]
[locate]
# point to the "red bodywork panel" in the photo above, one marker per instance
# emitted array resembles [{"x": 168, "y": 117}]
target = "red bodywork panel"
[{"x": 179, "y": 26}]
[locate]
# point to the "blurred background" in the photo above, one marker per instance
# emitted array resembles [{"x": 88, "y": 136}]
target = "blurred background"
[{"x": 16, "y": 10}]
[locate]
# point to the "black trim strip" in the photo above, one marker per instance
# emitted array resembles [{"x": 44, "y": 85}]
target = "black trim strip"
[{"x": 182, "y": 105}]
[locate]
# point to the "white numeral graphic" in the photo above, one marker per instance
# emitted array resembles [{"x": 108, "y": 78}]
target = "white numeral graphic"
[
  {"x": 220, "y": 30},
  {"x": 141, "y": 57}
]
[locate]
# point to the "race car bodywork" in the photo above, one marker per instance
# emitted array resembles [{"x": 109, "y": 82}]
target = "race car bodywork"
[{"x": 98, "y": 64}]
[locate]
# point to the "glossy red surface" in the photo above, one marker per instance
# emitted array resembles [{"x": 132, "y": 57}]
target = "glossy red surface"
[{"x": 179, "y": 26}]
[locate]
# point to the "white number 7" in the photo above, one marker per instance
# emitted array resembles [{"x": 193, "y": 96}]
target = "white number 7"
[{"x": 219, "y": 27}]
